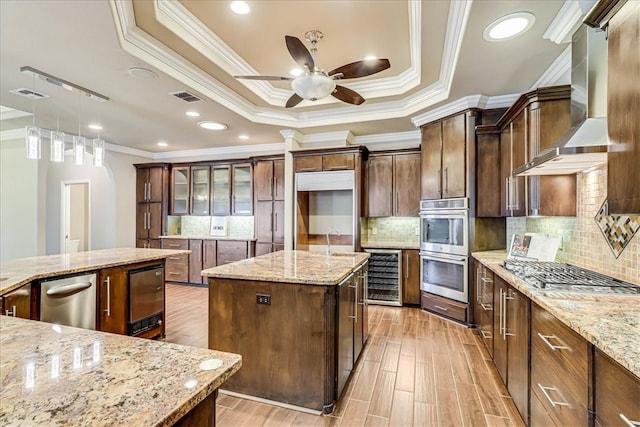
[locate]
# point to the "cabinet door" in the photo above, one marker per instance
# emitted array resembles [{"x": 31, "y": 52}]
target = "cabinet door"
[
  {"x": 380, "y": 190},
  {"x": 431, "y": 161},
  {"x": 200, "y": 190},
  {"x": 484, "y": 305},
  {"x": 623, "y": 103},
  {"x": 221, "y": 190},
  {"x": 454, "y": 164},
  {"x": 517, "y": 332},
  {"x": 505, "y": 171},
  {"x": 113, "y": 300},
  {"x": 345, "y": 332},
  {"x": 17, "y": 303},
  {"x": 142, "y": 221},
  {"x": 499, "y": 340},
  {"x": 519, "y": 158},
  {"x": 242, "y": 203},
  {"x": 231, "y": 251},
  {"x": 411, "y": 277},
  {"x": 208, "y": 256},
  {"x": 263, "y": 248},
  {"x": 154, "y": 220},
  {"x": 180, "y": 193},
  {"x": 407, "y": 184},
  {"x": 142, "y": 185},
  {"x": 195, "y": 261},
  {"x": 156, "y": 184},
  {"x": 278, "y": 222},
  {"x": 264, "y": 221},
  {"x": 263, "y": 178},
  {"x": 308, "y": 164},
  {"x": 617, "y": 393},
  {"x": 488, "y": 175},
  {"x": 336, "y": 162},
  {"x": 278, "y": 180}
]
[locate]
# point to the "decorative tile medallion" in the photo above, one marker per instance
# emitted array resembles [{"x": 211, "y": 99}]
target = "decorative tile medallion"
[{"x": 618, "y": 230}]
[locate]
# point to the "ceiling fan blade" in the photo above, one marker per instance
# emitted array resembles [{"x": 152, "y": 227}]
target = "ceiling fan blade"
[
  {"x": 299, "y": 52},
  {"x": 264, "y": 78},
  {"x": 293, "y": 101},
  {"x": 347, "y": 95},
  {"x": 366, "y": 67}
]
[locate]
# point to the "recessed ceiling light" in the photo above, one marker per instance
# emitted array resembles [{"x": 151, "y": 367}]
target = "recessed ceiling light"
[
  {"x": 193, "y": 114},
  {"x": 240, "y": 7},
  {"x": 509, "y": 26},
  {"x": 95, "y": 126},
  {"x": 296, "y": 72},
  {"x": 212, "y": 125},
  {"x": 162, "y": 144},
  {"x": 142, "y": 73},
  {"x": 243, "y": 137}
]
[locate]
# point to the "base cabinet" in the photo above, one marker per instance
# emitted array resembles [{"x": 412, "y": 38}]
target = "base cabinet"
[
  {"x": 617, "y": 393},
  {"x": 444, "y": 306},
  {"x": 483, "y": 305},
  {"x": 17, "y": 303},
  {"x": 411, "y": 277},
  {"x": 113, "y": 301}
]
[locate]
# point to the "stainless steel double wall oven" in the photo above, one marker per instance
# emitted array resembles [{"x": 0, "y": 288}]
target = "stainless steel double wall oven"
[{"x": 444, "y": 247}]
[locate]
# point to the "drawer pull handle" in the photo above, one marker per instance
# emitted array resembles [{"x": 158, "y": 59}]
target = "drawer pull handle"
[
  {"x": 553, "y": 402},
  {"x": 629, "y": 422},
  {"x": 546, "y": 339},
  {"x": 307, "y": 169},
  {"x": 486, "y": 335},
  {"x": 486, "y": 280},
  {"x": 174, "y": 245},
  {"x": 173, "y": 273},
  {"x": 486, "y": 307},
  {"x": 441, "y": 308},
  {"x": 175, "y": 258}
]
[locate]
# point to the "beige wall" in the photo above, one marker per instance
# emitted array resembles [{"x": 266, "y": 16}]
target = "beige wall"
[{"x": 582, "y": 241}]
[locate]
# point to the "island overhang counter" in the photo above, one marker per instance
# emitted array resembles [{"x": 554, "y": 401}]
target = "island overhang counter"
[{"x": 297, "y": 318}]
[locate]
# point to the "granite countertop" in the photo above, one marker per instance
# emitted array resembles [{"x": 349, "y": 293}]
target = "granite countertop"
[
  {"x": 303, "y": 267},
  {"x": 57, "y": 375},
  {"x": 390, "y": 245},
  {"x": 610, "y": 322},
  {"x": 209, "y": 237},
  {"x": 17, "y": 272}
]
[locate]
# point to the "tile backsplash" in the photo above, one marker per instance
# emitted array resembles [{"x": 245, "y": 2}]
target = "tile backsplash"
[
  {"x": 391, "y": 229},
  {"x": 583, "y": 243},
  {"x": 237, "y": 226}
]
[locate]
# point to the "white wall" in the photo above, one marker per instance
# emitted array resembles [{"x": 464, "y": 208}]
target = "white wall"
[{"x": 30, "y": 200}]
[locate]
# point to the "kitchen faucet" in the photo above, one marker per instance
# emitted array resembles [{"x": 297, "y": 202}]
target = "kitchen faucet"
[{"x": 329, "y": 241}]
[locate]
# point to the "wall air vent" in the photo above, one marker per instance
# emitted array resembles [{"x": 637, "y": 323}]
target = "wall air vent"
[
  {"x": 186, "y": 96},
  {"x": 29, "y": 93}
]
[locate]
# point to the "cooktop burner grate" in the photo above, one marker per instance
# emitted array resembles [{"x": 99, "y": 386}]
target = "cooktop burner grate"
[{"x": 557, "y": 276}]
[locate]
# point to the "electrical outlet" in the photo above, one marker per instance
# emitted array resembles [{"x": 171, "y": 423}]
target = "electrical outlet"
[
  {"x": 263, "y": 299},
  {"x": 374, "y": 230}
]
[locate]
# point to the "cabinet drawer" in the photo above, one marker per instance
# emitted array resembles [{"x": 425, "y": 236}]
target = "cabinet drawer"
[
  {"x": 617, "y": 393},
  {"x": 559, "y": 369},
  {"x": 335, "y": 162},
  {"x": 175, "y": 244},
  {"x": 445, "y": 307},
  {"x": 308, "y": 164},
  {"x": 231, "y": 251},
  {"x": 177, "y": 268}
]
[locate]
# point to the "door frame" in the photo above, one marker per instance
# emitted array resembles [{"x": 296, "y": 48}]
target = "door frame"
[{"x": 64, "y": 209}]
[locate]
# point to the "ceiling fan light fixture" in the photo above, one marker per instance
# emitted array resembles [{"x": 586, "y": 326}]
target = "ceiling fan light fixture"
[
  {"x": 509, "y": 26},
  {"x": 313, "y": 86}
]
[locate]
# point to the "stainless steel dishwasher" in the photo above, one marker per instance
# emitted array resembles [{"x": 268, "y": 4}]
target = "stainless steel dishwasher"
[{"x": 69, "y": 301}]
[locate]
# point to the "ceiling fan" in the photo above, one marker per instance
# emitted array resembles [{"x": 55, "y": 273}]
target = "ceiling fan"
[{"x": 315, "y": 83}]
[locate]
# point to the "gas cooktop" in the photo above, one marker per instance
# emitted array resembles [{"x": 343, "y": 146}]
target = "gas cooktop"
[{"x": 558, "y": 276}]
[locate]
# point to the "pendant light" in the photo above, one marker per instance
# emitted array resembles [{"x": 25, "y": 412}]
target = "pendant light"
[
  {"x": 79, "y": 146},
  {"x": 32, "y": 133},
  {"x": 57, "y": 138},
  {"x": 98, "y": 152}
]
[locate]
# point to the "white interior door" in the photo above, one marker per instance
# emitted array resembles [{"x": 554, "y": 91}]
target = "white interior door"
[{"x": 75, "y": 217}]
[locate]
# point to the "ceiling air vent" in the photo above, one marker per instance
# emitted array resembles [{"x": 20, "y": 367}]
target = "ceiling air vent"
[
  {"x": 186, "y": 96},
  {"x": 29, "y": 93}
]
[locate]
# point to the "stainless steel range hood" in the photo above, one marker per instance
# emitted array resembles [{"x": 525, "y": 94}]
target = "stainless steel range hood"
[{"x": 585, "y": 145}]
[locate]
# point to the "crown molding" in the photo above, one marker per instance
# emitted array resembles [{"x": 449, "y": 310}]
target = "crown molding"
[
  {"x": 12, "y": 134},
  {"x": 220, "y": 153},
  {"x": 565, "y": 23},
  {"x": 390, "y": 141},
  {"x": 559, "y": 72}
]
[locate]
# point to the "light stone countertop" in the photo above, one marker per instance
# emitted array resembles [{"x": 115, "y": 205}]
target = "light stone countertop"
[
  {"x": 209, "y": 237},
  {"x": 302, "y": 267},
  {"x": 17, "y": 272},
  {"x": 390, "y": 245},
  {"x": 56, "y": 375},
  {"x": 610, "y": 322}
]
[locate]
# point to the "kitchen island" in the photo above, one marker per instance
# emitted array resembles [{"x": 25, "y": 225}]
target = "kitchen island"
[
  {"x": 297, "y": 318},
  {"x": 58, "y": 375}
]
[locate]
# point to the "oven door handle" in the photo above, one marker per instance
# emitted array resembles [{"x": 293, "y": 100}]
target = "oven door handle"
[{"x": 442, "y": 258}]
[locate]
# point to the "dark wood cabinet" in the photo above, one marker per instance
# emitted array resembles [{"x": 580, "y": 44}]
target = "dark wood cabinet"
[
  {"x": 411, "y": 277},
  {"x": 152, "y": 203},
  {"x": 199, "y": 203},
  {"x": 220, "y": 190},
  {"x": 513, "y": 151},
  {"x": 483, "y": 304},
  {"x": 229, "y": 251},
  {"x": 444, "y": 160},
  {"x": 511, "y": 342},
  {"x": 444, "y": 306},
  {"x": 488, "y": 173},
  {"x": 623, "y": 104},
  {"x": 177, "y": 266},
  {"x": 241, "y": 190},
  {"x": 18, "y": 303},
  {"x": 617, "y": 393},
  {"x": 269, "y": 205},
  {"x": 209, "y": 255},
  {"x": 559, "y": 371},
  {"x": 180, "y": 194},
  {"x": 393, "y": 184},
  {"x": 195, "y": 260},
  {"x": 113, "y": 304},
  {"x": 318, "y": 162}
]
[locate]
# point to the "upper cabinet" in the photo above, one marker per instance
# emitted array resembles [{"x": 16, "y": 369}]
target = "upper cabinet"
[
  {"x": 152, "y": 203},
  {"x": 318, "y": 162},
  {"x": 200, "y": 179},
  {"x": 220, "y": 190},
  {"x": 444, "y": 158},
  {"x": 180, "y": 190},
  {"x": 623, "y": 104},
  {"x": 269, "y": 180},
  {"x": 393, "y": 184},
  {"x": 241, "y": 189}
]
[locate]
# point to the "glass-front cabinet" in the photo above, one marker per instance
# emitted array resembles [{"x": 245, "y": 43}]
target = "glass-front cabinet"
[
  {"x": 180, "y": 190},
  {"x": 220, "y": 190},
  {"x": 242, "y": 203},
  {"x": 200, "y": 190}
]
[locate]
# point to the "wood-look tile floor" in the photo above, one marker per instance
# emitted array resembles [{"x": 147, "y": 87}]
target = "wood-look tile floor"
[{"x": 415, "y": 370}]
